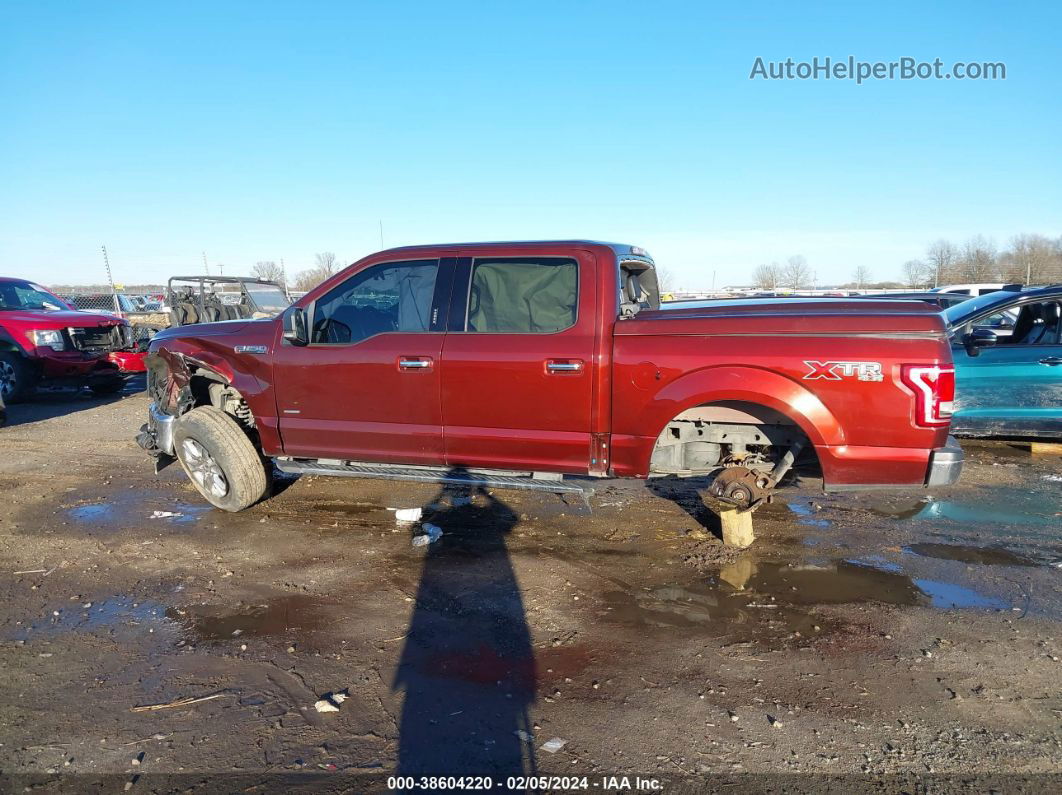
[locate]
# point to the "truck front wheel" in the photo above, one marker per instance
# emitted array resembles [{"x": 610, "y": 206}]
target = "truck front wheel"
[{"x": 219, "y": 459}]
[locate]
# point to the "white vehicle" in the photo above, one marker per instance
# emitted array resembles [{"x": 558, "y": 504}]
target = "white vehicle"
[{"x": 974, "y": 289}]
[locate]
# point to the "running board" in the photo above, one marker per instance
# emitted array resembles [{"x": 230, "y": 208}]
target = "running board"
[{"x": 549, "y": 482}]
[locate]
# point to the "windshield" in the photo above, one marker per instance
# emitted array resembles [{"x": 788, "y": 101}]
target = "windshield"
[
  {"x": 24, "y": 295},
  {"x": 267, "y": 297},
  {"x": 960, "y": 313}
]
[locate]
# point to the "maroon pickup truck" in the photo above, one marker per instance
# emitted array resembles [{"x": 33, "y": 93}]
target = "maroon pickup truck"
[{"x": 515, "y": 364}]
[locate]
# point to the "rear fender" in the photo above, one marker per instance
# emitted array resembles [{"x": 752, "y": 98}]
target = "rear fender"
[{"x": 737, "y": 383}]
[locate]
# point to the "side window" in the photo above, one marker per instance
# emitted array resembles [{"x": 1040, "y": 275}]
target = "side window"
[
  {"x": 393, "y": 296},
  {"x": 522, "y": 295},
  {"x": 1037, "y": 324},
  {"x": 998, "y": 321}
]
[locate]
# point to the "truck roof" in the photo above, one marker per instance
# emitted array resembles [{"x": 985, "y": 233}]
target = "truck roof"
[{"x": 621, "y": 249}]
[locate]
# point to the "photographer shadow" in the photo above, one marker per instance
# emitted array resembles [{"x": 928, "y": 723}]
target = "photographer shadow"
[{"x": 468, "y": 666}]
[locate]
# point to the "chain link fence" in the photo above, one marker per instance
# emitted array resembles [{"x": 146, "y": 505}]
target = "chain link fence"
[{"x": 146, "y": 313}]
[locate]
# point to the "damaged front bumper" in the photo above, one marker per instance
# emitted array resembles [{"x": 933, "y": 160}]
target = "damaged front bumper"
[
  {"x": 156, "y": 436},
  {"x": 945, "y": 464}
]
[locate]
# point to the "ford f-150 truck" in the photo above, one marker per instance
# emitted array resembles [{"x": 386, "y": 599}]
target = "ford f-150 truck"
[
  {"x": 515, "y": 364},
  {"x": 45, "y": 341}
]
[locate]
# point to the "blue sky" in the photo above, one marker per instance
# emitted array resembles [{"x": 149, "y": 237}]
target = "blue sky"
[{"x": 268, "y": 130}]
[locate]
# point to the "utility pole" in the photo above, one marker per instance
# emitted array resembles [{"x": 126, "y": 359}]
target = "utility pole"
[
  {"x": 206, "y": 268},
  {"x": 381, "y": 234},
  {"x": 110, "y": 281},
  {"x": 284, "y": 278}
]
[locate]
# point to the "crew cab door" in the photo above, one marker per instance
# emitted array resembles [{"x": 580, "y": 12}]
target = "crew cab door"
[
  {"x": 1015, "y": 386},
  {"x": 518, "y": 361},
  {"x": 366, "y": 387}
]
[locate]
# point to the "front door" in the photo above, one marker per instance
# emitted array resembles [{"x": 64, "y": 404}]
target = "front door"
[
  {"x": 366, "y": 387},
  {"x": 517, "y": 363},
  {"x": 1013, "y": 388}
]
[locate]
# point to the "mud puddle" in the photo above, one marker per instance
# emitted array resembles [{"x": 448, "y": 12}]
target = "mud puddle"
[
  {"x": 281, "y": 616},
  {"x": 137, "y": 510},
  {"x": 805, "y": 510},
  {"x": 114, "y": 615},
  {"x": 1003, "y": 507},
  {"x": 984, "y": 556},
  {"x": 749, "y": 595}
]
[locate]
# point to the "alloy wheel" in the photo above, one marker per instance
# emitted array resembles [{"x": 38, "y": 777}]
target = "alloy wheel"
[{"x": 203, "y": 469}]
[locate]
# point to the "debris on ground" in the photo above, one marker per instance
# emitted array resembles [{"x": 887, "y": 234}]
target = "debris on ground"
[
  {"x": 165, "y": 515},
  {"x": 431, "y": 533},
  {"x": 330, "y": 702},
  {"x": 524, "y": 736},
  {"x": 183, "y": 702},
  {"x": 554, "y": 745},
  {"x": 408, "y": 514}
]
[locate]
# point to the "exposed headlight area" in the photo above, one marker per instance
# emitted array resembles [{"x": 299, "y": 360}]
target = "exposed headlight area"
[{"x": 49, "y": 338}]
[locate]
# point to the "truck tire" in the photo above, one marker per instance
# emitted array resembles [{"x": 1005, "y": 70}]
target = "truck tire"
[
  {"x": 219, "y": 459},
  {"x": 17, "y": 378}
]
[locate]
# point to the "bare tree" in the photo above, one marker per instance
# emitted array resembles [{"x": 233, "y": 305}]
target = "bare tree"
[
  {"x": 665, "y": 280},
  {"x": 1032, "y": 259},
  {"x": 977, "y": 262},
  {"x": 861, "y": 276},
  {"x": 941, "y": 257},
  {"x": 308, "y": 279},
  {"x": 766, "y": 277},
  {"x": 796, "y": 274},
  {"x": 917, "y": 274},
  {"x": 269, "y": 271},
  {"x": 326, "y": 262}
]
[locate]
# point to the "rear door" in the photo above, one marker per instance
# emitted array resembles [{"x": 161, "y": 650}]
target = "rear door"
[
  {"x": 1015, "y": 387},
  {"x": 517, "y": 362}
]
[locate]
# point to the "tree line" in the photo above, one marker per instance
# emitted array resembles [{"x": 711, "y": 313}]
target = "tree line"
[
  {"x": 1027, "y": 259},
  {"x": 325, "y": 264}
]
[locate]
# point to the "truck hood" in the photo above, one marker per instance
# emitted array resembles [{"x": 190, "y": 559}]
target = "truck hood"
[
  {"x": 218, "y": 329},
  {"x": 798, "y": 316},
  {"x": 46, "y": 320}
]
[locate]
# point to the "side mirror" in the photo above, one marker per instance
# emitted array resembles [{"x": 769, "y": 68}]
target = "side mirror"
[
  {"x": 295, "y": 326},
  {"x": 979, "y": 338}
]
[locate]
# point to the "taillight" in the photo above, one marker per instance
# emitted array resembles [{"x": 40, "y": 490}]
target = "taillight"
[{"x": 934, "y": 389}]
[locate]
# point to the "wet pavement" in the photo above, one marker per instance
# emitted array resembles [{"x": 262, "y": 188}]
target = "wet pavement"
[{"x": 927, "y": 624}]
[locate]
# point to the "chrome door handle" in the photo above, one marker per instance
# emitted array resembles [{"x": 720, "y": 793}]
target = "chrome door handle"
[
  {"x": 1051, "y": 360},
  {"x": 564, "y": 366},
  {"x": 414, "y": 364}
]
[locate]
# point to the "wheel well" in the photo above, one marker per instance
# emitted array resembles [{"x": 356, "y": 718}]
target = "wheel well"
[
  {"x": 711, "y": 436},
  {"x": 209, "y": 389}
]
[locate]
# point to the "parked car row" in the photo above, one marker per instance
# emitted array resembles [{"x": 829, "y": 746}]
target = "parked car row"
[
  {"x": 43, "y": 340},
  {"x": 110, "y": 303}
]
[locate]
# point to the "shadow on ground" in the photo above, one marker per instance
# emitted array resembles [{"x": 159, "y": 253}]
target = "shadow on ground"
[
  {"x": 46, "y": 404},
  {"x": 468, "y": 666}
]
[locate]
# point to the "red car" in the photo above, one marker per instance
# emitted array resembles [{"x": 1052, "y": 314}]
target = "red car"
[
  {"x": 516, "y": 363},
  {"x": 44, "y": 341}
]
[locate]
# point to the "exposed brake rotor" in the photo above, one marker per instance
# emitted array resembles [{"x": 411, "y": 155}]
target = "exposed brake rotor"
[{"x": 741, "y": 487}]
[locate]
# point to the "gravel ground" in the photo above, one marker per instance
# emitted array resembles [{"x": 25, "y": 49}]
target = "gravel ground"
[{"x": 898, "y": 642}]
